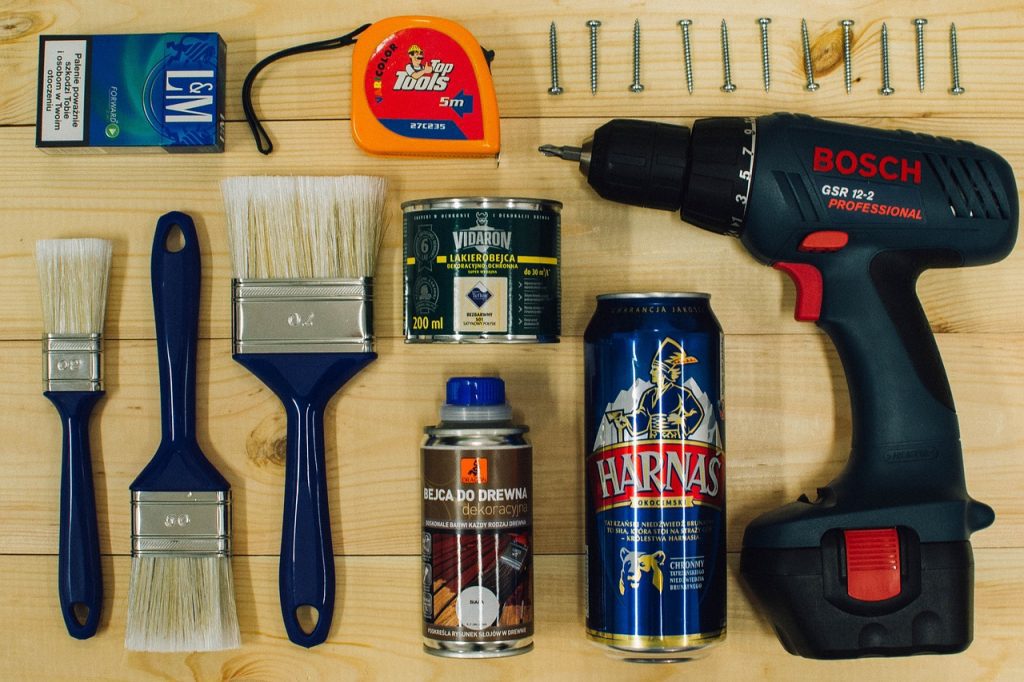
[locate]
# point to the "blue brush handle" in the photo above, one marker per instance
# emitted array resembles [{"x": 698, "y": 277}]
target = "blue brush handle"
[
  {"x": 305, "y": 383},
  {"x": 79, "y": 577},
  {"x": 175, "y": 276}
]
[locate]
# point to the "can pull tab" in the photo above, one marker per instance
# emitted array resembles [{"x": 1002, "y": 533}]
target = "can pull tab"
[{"x": 259, "y": 133}]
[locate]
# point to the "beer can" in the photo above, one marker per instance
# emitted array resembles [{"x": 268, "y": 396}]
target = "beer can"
[
  {"x": 477, "y": 526},
  {"x": 655, "y": 470}
]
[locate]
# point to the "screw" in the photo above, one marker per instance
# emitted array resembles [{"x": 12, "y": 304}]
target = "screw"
[
  {"x": 555, "y": 88},
  {"x": 593, "y": 24},
  {"x": 847, "y": 55},
  {"x": 808, "y": 64},
  {"x": 886, "y": 88},
  {"x": 954, "y": 58},
  {"x": 765, "y": 64},
  {"x": 727, "y": 86},
  {"x": 636, "y": 86},
  {"x": 687, "y": 57},
  {"x": 919, "y": 24}
]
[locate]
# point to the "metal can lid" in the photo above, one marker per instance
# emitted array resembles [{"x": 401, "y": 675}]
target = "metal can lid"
[
  {"x": 653, "y": 294},
  {"x": 519, "y": 203},
  {"x": 475, "y": 391}
]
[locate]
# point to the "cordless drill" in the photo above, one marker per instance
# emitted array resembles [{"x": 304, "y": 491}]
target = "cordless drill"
[{"x": 880, "y": 564}]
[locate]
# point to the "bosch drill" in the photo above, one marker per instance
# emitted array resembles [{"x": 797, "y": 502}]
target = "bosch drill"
[{"x": 880, "y": 563}]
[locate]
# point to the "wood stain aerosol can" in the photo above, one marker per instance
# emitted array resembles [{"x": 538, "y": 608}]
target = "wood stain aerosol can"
[{"x": 477, "y": 526}]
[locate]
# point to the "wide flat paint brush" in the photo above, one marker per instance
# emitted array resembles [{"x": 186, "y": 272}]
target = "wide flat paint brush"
[
  {"x": 73, "y": 278},
  {"x": 181, "y": 596},
  {"x": 304, "y": 250}
]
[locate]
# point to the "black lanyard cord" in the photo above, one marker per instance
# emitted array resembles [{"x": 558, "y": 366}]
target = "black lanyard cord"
[{"x": 259, "y": 134}]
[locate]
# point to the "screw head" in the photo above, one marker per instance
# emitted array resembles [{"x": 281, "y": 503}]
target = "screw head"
[
  {"x": 886, "y": 91},
  {"x": 764, "y": 21},
  {"x": 555, "y": 90},
  {"x": 728, "y": 87},
  {"x": 920, "y": 21},
  {"x": 811, "y": 87},
  {"x": 685, "y": 22},
  {"x": 957, "y": 91},
  {"x": 636, "y": 87},
  {"x": 846, "y": 22},
  {"x": 593, "y": 23}
]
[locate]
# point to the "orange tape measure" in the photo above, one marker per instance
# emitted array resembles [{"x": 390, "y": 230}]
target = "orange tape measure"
[{"x": 421, "y": 86}]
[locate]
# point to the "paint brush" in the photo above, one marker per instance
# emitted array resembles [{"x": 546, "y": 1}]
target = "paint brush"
[
  {"x": 303, "y": 251},
  {"x": 181, "y": 596},
  {"x": 73, "y": 278}
]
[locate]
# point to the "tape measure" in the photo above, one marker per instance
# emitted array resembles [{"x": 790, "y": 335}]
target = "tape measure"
[{"x": 421, "y": 86}]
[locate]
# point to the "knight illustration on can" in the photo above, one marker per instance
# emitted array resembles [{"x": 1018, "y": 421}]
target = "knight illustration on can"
[{"x": 667, "y": 409}]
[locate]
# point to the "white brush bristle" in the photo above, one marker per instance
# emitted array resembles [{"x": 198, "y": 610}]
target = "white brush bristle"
[
  {"x": 304, "y": 227},
  {"x": 73, "y": 279},
  {"x": 181, "y": 603}
]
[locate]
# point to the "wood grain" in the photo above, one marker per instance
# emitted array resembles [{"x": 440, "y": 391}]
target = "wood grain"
[
  {"x": 788, "y": 432},
  {"x": 376, "y": 634},
  {"x": 605, "y": 246},
  {"x": 317, "y": 86},
  {"x": 788, "y": 409}
]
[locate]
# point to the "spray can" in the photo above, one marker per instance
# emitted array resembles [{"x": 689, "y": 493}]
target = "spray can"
[{"x": 477, "y": 526}]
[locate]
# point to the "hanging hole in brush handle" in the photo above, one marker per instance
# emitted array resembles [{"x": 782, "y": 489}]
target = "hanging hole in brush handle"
[
  {"x": 79, "y": 576},
  {"x": 175, "y": 278},
  {"x": 307, "y": 551}
]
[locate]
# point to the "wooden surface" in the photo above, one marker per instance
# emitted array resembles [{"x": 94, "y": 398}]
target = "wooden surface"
[{"x": 788, "y": 425}]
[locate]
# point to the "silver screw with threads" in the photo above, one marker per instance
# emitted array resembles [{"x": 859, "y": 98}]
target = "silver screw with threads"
[
  {"x": 808, "y": 64},
  {"x": 636, "y": 86},
  {"x": 886, "y": 88},
  {"x": 954, "y": 59},
  {"x": 593, "y": 24},
  {"x": 727, "y": 86},
  {"x": 684, "y": 24},
  {"x": 919, "y": 24},
  {"x": 847, "y": 55},
  {"x": 555, "y": 88},
  {"x": 765, "y": 63}
]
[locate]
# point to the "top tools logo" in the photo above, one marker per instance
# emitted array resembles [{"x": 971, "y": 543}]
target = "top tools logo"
[
  {"x": 867, "y": 165},
  {"x": 419, "y": 74}
]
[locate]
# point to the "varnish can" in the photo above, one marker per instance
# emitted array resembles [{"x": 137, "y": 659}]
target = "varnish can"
[
  {"x": 482, "y": 269},
  {"x": 655, "y": 470},
  {"x": 477, "y": 526}
]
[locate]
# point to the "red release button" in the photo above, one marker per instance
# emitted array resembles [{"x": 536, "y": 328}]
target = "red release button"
[
  {"x": 824, "y": 241},
  {"x": 872, "y": 564}
]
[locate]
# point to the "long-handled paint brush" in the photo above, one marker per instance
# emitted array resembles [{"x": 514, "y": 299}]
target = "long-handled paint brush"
[
  {"x": 304, "y": 250},
  {"x": 181, "y": 596},
  {"x": 73, "y": 277}
]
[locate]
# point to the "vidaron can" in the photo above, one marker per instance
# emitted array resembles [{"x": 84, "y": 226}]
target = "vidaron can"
[
  {"x": 655, "y": 469},
  {"x": 482, "y": 269},
  {"x": 477, "y": 526}
]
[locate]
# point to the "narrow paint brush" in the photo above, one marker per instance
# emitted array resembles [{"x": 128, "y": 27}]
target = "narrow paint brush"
[
  {"x": 181, "y": 596},
  {"x": 73, "y": 278},
  {"x": 304, "y": 250}
]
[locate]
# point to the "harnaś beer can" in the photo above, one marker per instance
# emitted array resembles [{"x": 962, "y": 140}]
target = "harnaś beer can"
[{"x": 655, "y": 475}]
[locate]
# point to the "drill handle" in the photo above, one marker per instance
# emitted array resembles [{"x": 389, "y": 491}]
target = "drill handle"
[{"x": 906, "y": 439}]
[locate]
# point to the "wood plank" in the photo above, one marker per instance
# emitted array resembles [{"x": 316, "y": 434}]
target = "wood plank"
[
  {"x": 376, "y": 632},
  {"x": 605, "y": 246},
  {"x": 788, "y": 432},
  {"x": 317, "y": 86}
]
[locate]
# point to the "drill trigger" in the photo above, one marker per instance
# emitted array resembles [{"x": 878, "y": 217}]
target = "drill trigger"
[{"x": 809, "y": 289}]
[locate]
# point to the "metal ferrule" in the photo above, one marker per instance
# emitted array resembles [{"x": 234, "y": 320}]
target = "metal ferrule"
[
  {"x": 72, "y": 363},
  {"x": 302, "y": 315},
  {"x": 181, "y": 523}
]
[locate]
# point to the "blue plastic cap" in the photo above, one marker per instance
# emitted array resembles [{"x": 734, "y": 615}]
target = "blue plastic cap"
[{"x": 472, "y": 391}]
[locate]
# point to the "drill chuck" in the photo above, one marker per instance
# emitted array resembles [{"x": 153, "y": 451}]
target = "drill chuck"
[{"x": 705, "y": 174}]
